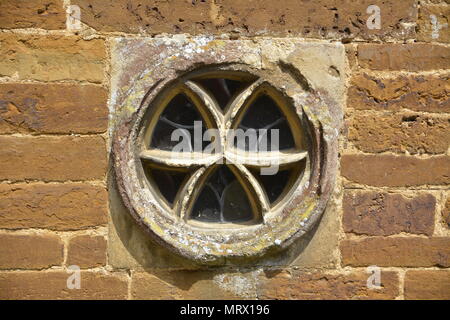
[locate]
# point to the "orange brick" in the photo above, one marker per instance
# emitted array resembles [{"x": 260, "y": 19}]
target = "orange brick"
[
  {"x": 379, "y": 213},
  {"x": 410, "y": 57},
  {"x": 51, "y": 58},
  {"x": 70, "y": 206},
  {"x": 427, "y": 284},
  {"x": 87, "y": 251},
  {"x": 178, "y": 285},
  {"x": 395, "y": 171},
  {"x": 295, "y": 285},
  {"x": 44, "y": 14},
  {"x": 320, "y": 18},
  {"x": 446, "y": 212},
  {"x": 30, "y": 251},
  {"x": 52, "y": 285},
  {"x": 52, "y": 158},
  {"x": 51, "y": 108},
  {"x": 429, "y": 93},
  {"x": 375, "y": 132},
  {"x": 396, "y": 252},
  {"x": 428, "y": 28}
]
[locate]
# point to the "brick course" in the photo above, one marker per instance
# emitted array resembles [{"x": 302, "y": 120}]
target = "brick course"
[
  {"x": 396, "y": 252},
  {"x": 52, "y": 158},
  {"x": 52, "y": 285},
  {"x": 427, "y": 93},
  {"x": 51, "y": 58},
  {"x": 178, "y": 285},
  {"x": 30, "y": 251},
  {"x": 407, "y": 57},
  {"x": 47, "y": 108},
  {"x": 427, "y": 284},
  {"x": 434, "y": 30},
  {"x": 70, "y": 206},
  {"x": 44, "y": 14},
  {"x": 324, "y": 18},
  {"x": 396, "y": 171},
  {"x": 383, "y": 214},
  {"x": 400, "y": 132},
  {"x": 87, "y": 251},
  {"x": 287, "y": 285}
]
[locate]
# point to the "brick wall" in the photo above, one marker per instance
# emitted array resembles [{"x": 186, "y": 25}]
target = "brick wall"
[{"x": 395, "y": 163}]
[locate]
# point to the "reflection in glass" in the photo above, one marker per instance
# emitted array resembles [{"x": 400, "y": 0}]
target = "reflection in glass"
[
  {"x": 222, "y": 89},
  {"x": 168, "y": 182},
  {"x": 180, "y": 113},
  {"x": 263, "y": 113},
  {"x": 222, "y": 199}
]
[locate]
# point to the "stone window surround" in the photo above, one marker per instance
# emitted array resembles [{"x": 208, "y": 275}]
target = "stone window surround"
[{"x": 293, "y": 220}]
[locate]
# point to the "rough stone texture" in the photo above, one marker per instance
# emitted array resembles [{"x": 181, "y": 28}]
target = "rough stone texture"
[
  {"x": 446, "y": 212},
  {"x": 322, "y": 18},
  {"x": 395, "y": 171},
  {"x": 409, "y": 57},
  {"x": 322, "y": 65},
  {"x": 350, "y": 51},
  {"x": 297, "y": 285},
  {"x": 87, "y": 251},
  {"x": 52, "y": 158},
  {"x": 45, "y": 108},
  {"x": 190, "y": 285},
  {"x": 53, "y": 285},
  {"x": 51, "y": 58},
  {"x": 69, "y": 206},
  {"x": 374, "y": 132},
  {"x": 434, "y": 30},
  {"x": 44, "y": 14},
  {"x": 428, "y": 93},
  {"x": 379, "y": 213},
  {"x": 427, "y": 284},
  {"x": 396, "y": 252},
  {"x": 129, "y": 246},
  {"x": 30, "y": 251}
]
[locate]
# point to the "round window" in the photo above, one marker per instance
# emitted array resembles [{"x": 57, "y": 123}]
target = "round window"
[{"x": 221, "y": 163}]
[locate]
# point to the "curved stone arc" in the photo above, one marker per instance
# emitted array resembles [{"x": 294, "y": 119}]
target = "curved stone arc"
[
  {"x": 208, "y": 102},
  {"x": 264, "y": 159},
  {"x": 212, "y": 246},
  {"x": 258, "y": 192},
  {"x": 179, "y": 159},
  {"x": 239, "y": 101},
  {"x": 188, "y": 193}
]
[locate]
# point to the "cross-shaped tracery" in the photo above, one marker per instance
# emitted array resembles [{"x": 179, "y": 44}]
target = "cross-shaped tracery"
[{"x": 234, "y": 182}]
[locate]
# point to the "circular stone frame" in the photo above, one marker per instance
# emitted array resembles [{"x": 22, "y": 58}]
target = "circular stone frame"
[{"x": 223, "y": 245}]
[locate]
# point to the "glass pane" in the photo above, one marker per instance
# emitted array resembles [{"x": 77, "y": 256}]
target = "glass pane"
[
  {"x": 263, "y": 113},
  {"x": 222, "y": 89},
  {"x": 223, "y": 199},
  {"x": 180, "y": 113},
  {"x": 275, "y": 184},
  {"x": 168, "y": 182}
]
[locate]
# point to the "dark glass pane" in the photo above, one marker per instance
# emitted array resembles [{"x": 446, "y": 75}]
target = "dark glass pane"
[
  {"x": 207, "y": 206},
  {"x": 223, "y": 199},
  {"x": 265, "y": 114},
  {"x": 222, "y": 89},
  {"x": 236, "y": 207},
  {"x": 168, "y": 182},
  {"x": 275, "y": 184},
  {"x": 180, "y": 113}
]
